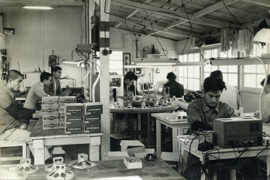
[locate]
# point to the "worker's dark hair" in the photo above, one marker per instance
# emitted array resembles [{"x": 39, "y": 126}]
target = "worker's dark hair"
[
  {"x": 44, "y": 75},
  {"x": 268, "y": 80},
  {"x": 130, "y": 75},
  {"x": 171, "y": 76},
  {"x": 216, "y": 74},
  {"x": 56, "y": 68},
  {"x": 213, "y": 84},
  {"x": 13, "y": 74}
]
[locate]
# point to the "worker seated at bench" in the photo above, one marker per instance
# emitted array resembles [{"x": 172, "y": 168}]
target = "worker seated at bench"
[
  {"x": 12, "y": 127},
  {"x": 200, "y": 115}
]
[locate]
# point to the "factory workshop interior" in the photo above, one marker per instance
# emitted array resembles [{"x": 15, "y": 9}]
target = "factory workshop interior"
[{"x": 135, "y": 89}]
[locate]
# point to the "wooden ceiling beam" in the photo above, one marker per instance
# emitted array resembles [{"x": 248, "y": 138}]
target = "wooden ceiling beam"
[
  {"x": 264, "y": 3},
  {"x": 125, "y": 22},
  {"x": 157, "y": 29},
  {"x": 123, "y": 30},
  {"x": 117, "y": 25},
  {"x": 175, "y": 23},
  {"x": 214, "y": 7},
  {"x": 148, "y": 26},
  {"x": 169, "y": 13},
  {"x": 134, "y": 11}
]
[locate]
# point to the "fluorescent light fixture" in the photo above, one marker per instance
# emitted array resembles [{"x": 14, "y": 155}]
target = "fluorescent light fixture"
[
  {"x": 136, "y": 66},
  {"x": 38, "y": 7},
  {"x": 262, "y": 35},
  {"x": 234, "y": 61},
  {"x": 191, "y": 64},
  {"x": 155, "y": 64},
  {"x": 70, "y": 62}
]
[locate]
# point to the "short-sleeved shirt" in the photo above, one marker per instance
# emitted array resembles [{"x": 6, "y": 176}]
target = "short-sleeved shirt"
[{"x": 199, "y": 111}]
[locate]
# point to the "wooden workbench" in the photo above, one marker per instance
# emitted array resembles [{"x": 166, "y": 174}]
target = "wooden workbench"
[
  {"x": 151, "y": 170},
  {"x": 139, "y": 111},
  {"x": 57, "y": 137}
]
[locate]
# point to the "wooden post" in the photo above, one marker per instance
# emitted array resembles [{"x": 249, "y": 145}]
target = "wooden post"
[{"x": 105, "y": 75}]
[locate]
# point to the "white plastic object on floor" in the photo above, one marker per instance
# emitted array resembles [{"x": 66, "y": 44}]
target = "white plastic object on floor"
[
  {"x": 51, "y": 168},
  {"x": 83, "y": 163},
  {"x": 14, "y": 175},
  {"x": 25, "y": 166},
  {"x": 61, "y": 172}
]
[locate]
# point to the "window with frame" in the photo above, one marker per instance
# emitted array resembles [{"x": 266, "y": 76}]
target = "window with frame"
[
  {"x": 116, "y": 62},
  {"x": 189, "y": 76},
  {"x": 254, "y": 74},
  {"x": 230, "y": 73}
]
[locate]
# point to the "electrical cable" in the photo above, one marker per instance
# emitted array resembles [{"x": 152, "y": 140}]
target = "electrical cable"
[
  {"x": 156, "y": 36},
  {"x": 189, "y": 19},
  {"x": 267, "y": 143},
  {"x": 186, "y": 44},
  {"x": 195, "y": 35},
  {"x": 236, "y": 18},
  {"x": 132, "y": 38}
]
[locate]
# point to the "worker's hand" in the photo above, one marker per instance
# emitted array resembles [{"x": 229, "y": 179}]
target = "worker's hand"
[
  {"x": 67, "y": 91},
  {"x": 23, "y": 126}
]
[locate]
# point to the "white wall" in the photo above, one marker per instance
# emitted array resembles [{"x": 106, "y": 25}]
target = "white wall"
[
  {"x": 37, "y": 33},
  {"x": 184, "y": 46},
  {"x": 126, "y": 42},
  {"x": 250, "y": 101}
]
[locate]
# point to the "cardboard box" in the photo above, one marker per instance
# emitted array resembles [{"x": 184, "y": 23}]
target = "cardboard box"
[
  {"x": 115, "y": 155},
  {"x": 132, "y": 162},
  {"x": 73, "y": 129},
  {"x": 74, "y": 108},
  {"x": 90, "y": 128},
  {"x": 132, "y": 146},
  {"x": 51, "y": 124},
  {"x": 67, "y": 99},
  {"x": 51, "y": 116},
  {"x": 92, "y": 117},
  {"x": 50, "y": 108},
  {"x": 92, "y": 108},
  {"x": 52, "y": 121},
  {"x": 50, "y": 100},
  {"x": 74, "y": 118},
  {"x": 61, "y": 109}
]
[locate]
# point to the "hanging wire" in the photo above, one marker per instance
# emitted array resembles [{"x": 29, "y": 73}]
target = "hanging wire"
[
  {"x": 195, "y": 35},
  {"x": 236, "y": 18},
  {"x": 132, "y": 38},
  {"x": 241, "y": 23},
  {"x": 165, "y": 54}
]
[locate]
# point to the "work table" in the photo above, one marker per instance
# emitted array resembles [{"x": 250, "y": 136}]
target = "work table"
[{"x": 116, "y": 169}]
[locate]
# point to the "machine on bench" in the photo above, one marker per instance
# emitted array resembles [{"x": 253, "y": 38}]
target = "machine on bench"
[{"x": 238, "y": 132}]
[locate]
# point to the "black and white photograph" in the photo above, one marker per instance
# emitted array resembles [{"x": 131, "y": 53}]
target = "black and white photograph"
[{"x": 135, "y": 89}]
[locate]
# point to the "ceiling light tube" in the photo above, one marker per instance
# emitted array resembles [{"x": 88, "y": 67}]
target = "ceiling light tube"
[
  {"x": 38, "y": 7},
  {"x": 70, "y": 62}
]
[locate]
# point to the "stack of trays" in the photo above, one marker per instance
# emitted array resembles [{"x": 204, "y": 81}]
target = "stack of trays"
[
  {"x": 83, "y": 118},
  {"x": 53, "y": 111},
  {"x": 52, "y": 121},
  {"x": 74, "y": 118},
  {"x": 92, "y": 117}
]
